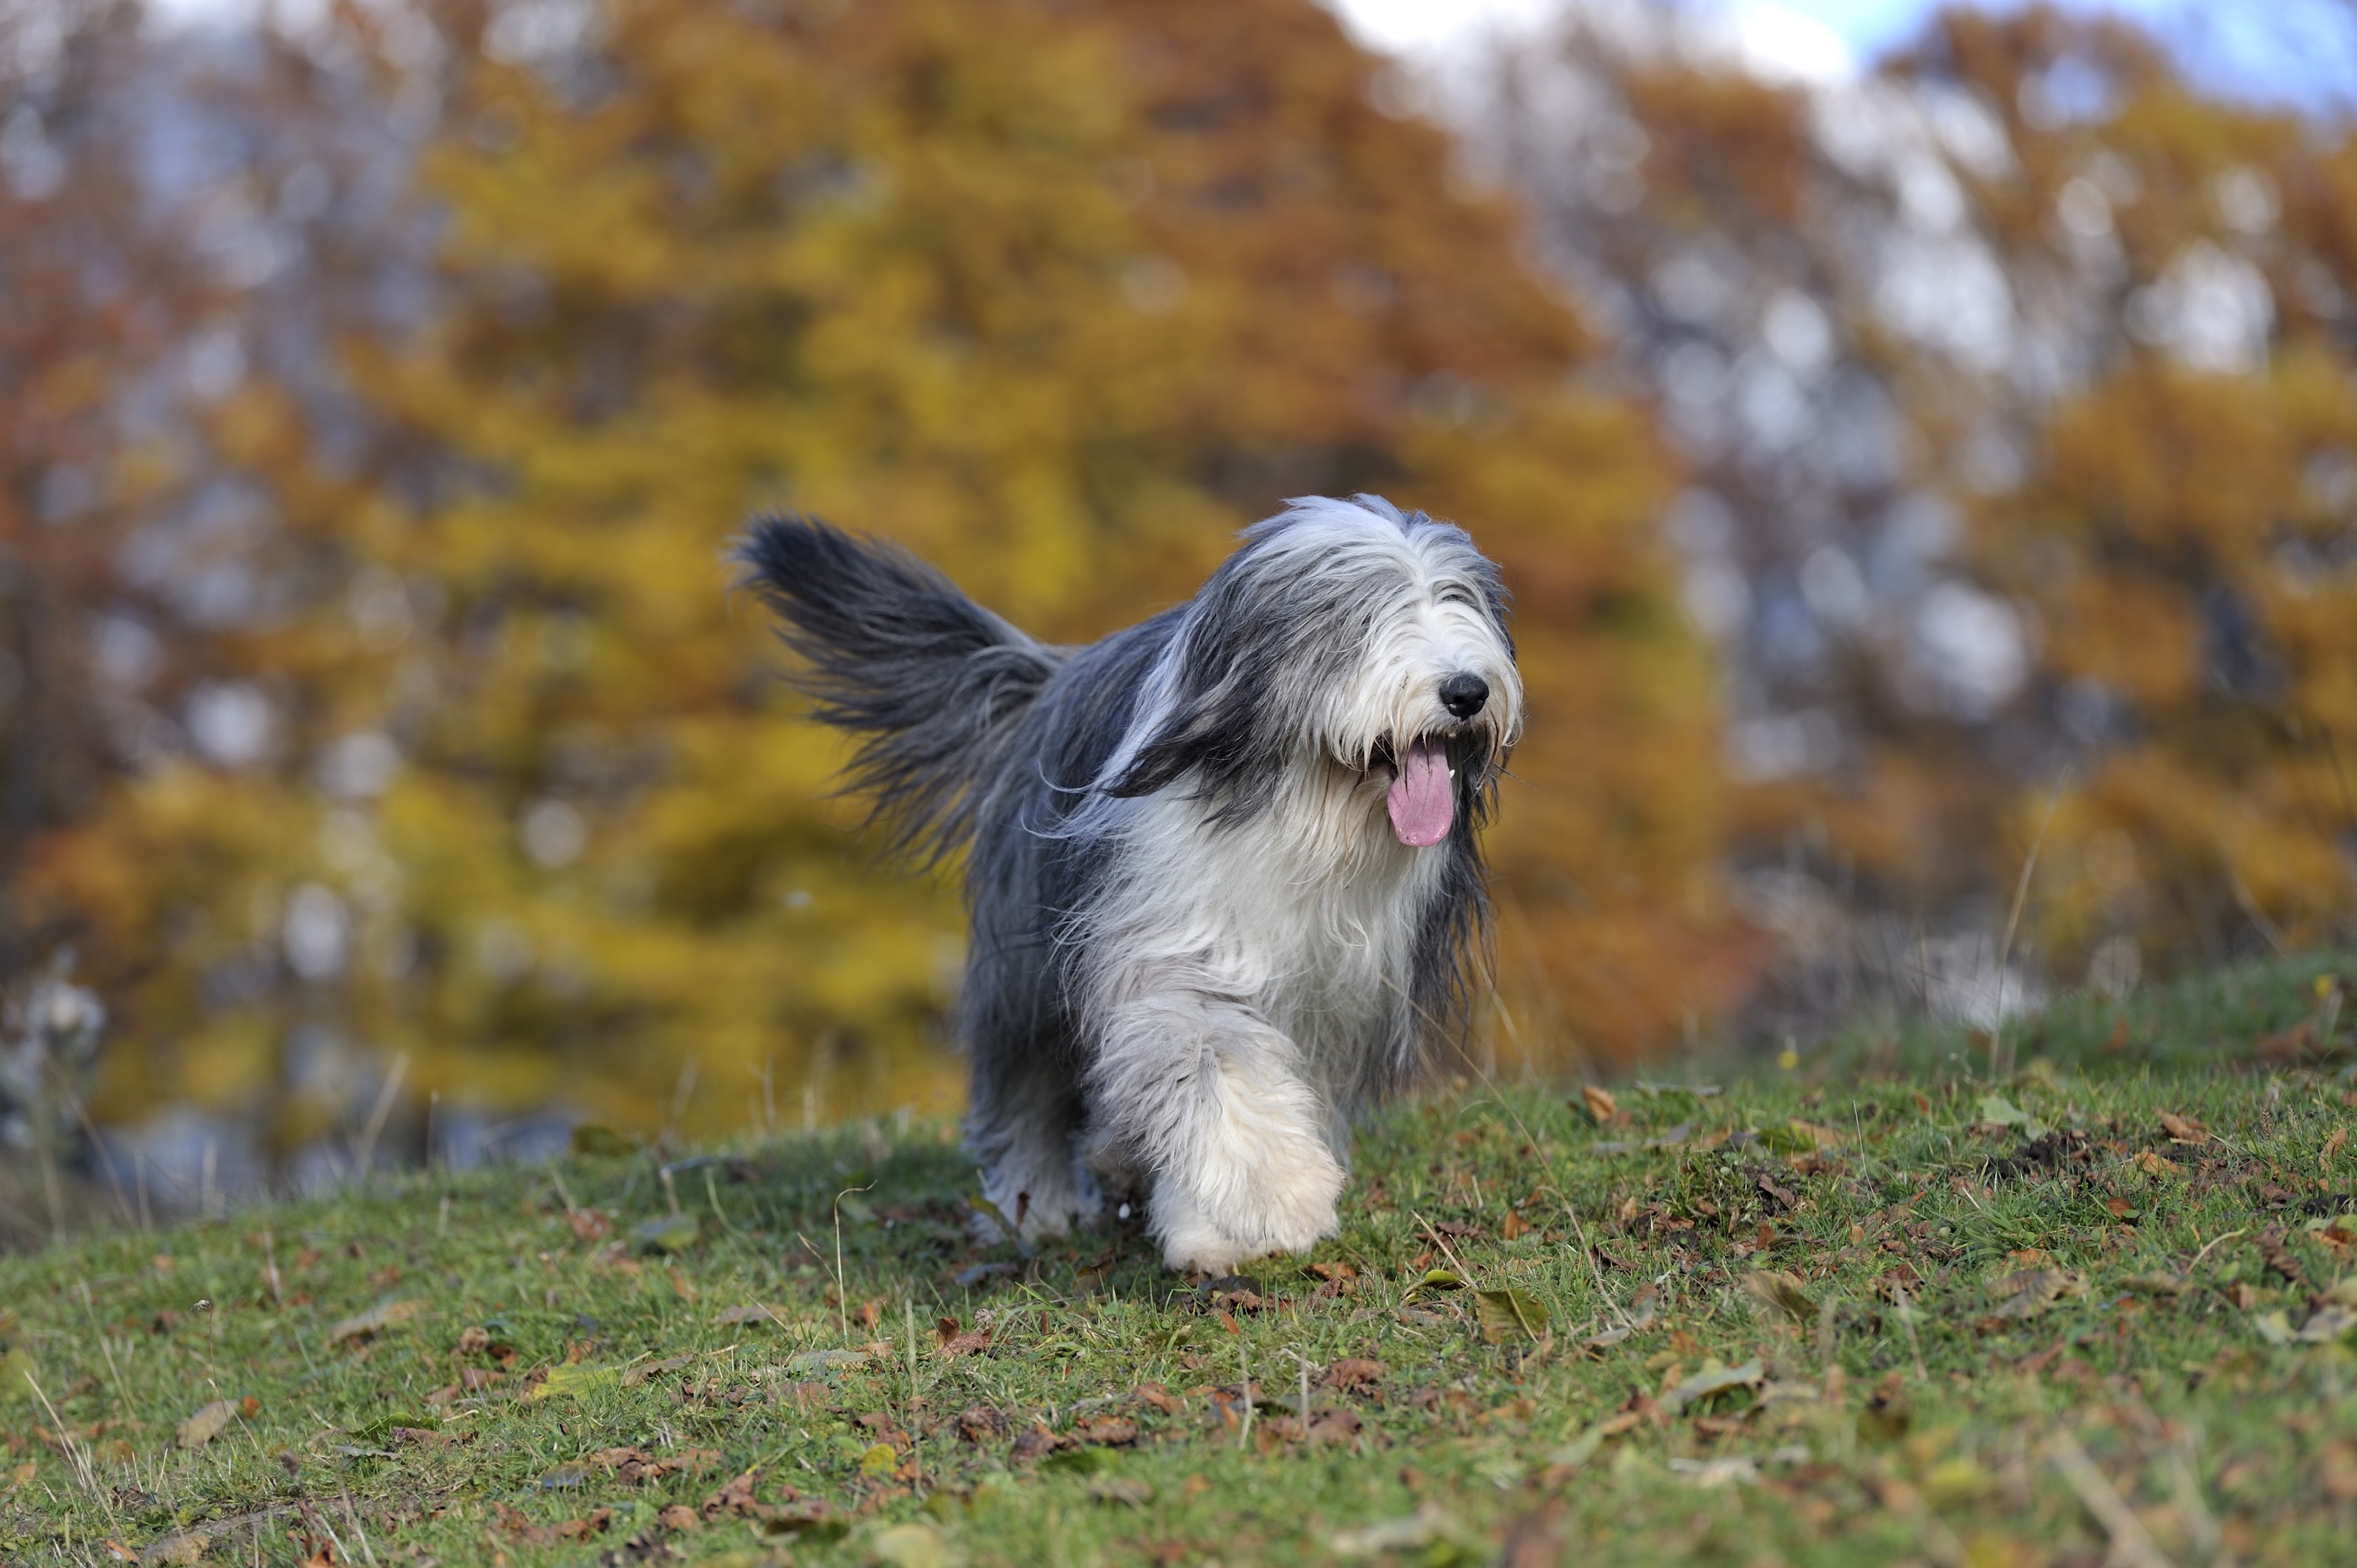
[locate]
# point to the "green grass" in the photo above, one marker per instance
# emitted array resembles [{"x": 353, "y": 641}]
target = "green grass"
[{"x": 2086, "y": 1356}]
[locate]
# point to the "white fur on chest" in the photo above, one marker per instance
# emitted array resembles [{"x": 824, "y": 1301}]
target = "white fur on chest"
[{"x": 1307, "y": 914}]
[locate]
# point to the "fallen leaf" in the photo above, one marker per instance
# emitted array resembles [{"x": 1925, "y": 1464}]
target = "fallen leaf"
[
  {"x": 1782, "y": 1291},
  {"x": 970, "y": 1342},
  {"x": 665, "y": 1233},
  {"x": 572, "y": 1381},
  {"x": 2157, "y": 1284},
  {"x": 1515, "y": 1226},
  {"x": 375, "y": 1320},
  {"x": 2333, "y": 1145},
  {"x": 1996, "y": 1111},
  {"x": 2029, "y": 1292},
  {"x": 909, "y": 1546},
  {"x": 1582, "y": 1448},
  {"x": 734, "y": 1497},
  {"x": 1434, "y": 1282},
  {"x": 179, "y": 1549},
  {"x": 1713, "y": 1378},
  {"x": 1352, "y": 1373},
  {"x": 1509, "y": 1315},
  {"x": 1429, "y": 1526},
  {"x": 204, "y": 1425},
  {"x": 2326, "y": 1324},
  {"x": 588, "y": 1224},
  {"x": 644, "y": 1371},
  {"x": 1598, "y": 1103},
  {"x": 2274, "y": 1327},
  {"x": 1711, "y": 1474},
  {"x": 2183, "y": 1129},
  {"x": 880, "y": 1459},
  {"x": 1127, "y": 1490}
]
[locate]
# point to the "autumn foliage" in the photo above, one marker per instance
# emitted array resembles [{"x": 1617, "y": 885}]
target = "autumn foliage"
[
  {"x": 474, "y": 760},
  {"x": 1060, "y": 299}
]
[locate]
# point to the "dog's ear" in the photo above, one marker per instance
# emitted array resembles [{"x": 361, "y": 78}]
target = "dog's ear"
[
  {"x": 1210, "y": 730},
  {"x": 1219, "y": 725}
]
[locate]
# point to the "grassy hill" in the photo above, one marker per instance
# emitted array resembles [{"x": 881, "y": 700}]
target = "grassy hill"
[{"x": 1873, "y": 1308}]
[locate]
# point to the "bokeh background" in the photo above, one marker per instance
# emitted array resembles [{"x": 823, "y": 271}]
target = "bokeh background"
[{"x": 1922, "y": 445}]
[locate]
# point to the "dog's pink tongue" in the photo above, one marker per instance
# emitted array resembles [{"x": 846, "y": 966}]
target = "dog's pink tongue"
[{"x": 1420, "y": 799}]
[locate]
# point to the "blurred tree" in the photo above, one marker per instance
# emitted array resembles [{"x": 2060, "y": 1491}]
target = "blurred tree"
[
  {"x": 2183, "y": 530},
  {"x": 1058, "y": 296},
  {"x": 96, "y": 307},
  {"x": 2013, "y": 384}
]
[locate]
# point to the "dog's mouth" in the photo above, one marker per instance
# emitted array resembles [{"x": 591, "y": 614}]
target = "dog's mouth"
[{"x": 1422, "y": 799}]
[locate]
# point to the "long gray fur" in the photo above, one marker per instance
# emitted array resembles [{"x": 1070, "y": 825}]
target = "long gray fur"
[{"x": 1198, "y": 948}]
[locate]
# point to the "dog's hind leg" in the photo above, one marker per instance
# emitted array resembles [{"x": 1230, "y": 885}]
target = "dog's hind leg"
[
  {"x": 1201, "y": 1091},
  {"x": 1022, "y": 1125}
]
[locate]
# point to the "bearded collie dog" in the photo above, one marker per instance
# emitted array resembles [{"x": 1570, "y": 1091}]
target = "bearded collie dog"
[{"x": 1222, "y": 867}]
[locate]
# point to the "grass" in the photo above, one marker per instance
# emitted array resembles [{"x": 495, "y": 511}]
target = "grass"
[{"x": 1873, "y": 1308}]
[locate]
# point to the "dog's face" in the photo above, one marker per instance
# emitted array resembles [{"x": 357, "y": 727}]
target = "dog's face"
[{"x": 1343, "y": 636}]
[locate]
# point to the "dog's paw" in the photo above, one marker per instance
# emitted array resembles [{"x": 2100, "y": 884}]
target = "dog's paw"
[{"x": 1289, "y": 1208}]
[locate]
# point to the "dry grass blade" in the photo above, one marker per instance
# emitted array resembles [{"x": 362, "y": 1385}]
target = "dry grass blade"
[
  {"x": 2000, "y": 1052},
  {"x": 2130, "y": 1544}
]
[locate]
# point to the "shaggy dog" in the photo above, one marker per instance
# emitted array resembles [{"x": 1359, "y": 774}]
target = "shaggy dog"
[{"x": 1222, "y": 870}]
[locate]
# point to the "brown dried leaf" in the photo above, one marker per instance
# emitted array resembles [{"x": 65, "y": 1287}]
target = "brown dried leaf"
[
  {"x": 204, "y": 1425},
  {"x": 375, "y": 1320},
  {"x": 2029, "y": 1292},
  {"x": 1598, "y": 1103},
  {"x": 2183, "y": 1129},
  {"x": 1783, "y": 1292},
  {"x": 971, "y": 1342}
]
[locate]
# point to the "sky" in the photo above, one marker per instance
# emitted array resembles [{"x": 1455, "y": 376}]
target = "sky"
[{"x": 2300, "y": 50}]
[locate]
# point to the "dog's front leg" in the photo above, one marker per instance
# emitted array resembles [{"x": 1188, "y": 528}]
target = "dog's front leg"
[{"x": 1202, "y": 1093}]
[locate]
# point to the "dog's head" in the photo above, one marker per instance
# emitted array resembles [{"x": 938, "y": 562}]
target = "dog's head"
[{"x": 1343, "y": 635}]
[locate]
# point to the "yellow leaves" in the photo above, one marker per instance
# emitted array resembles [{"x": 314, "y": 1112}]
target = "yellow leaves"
[
  {"x": 574, "y": 1380},
  {"x": 992, "y": 319}
]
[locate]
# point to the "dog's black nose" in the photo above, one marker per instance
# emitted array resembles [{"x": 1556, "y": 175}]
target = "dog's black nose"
[{"x": 1463, "y": 695}]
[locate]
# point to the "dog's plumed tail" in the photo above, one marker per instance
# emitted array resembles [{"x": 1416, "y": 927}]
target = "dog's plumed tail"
[{"x": 889, "y": 649}]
